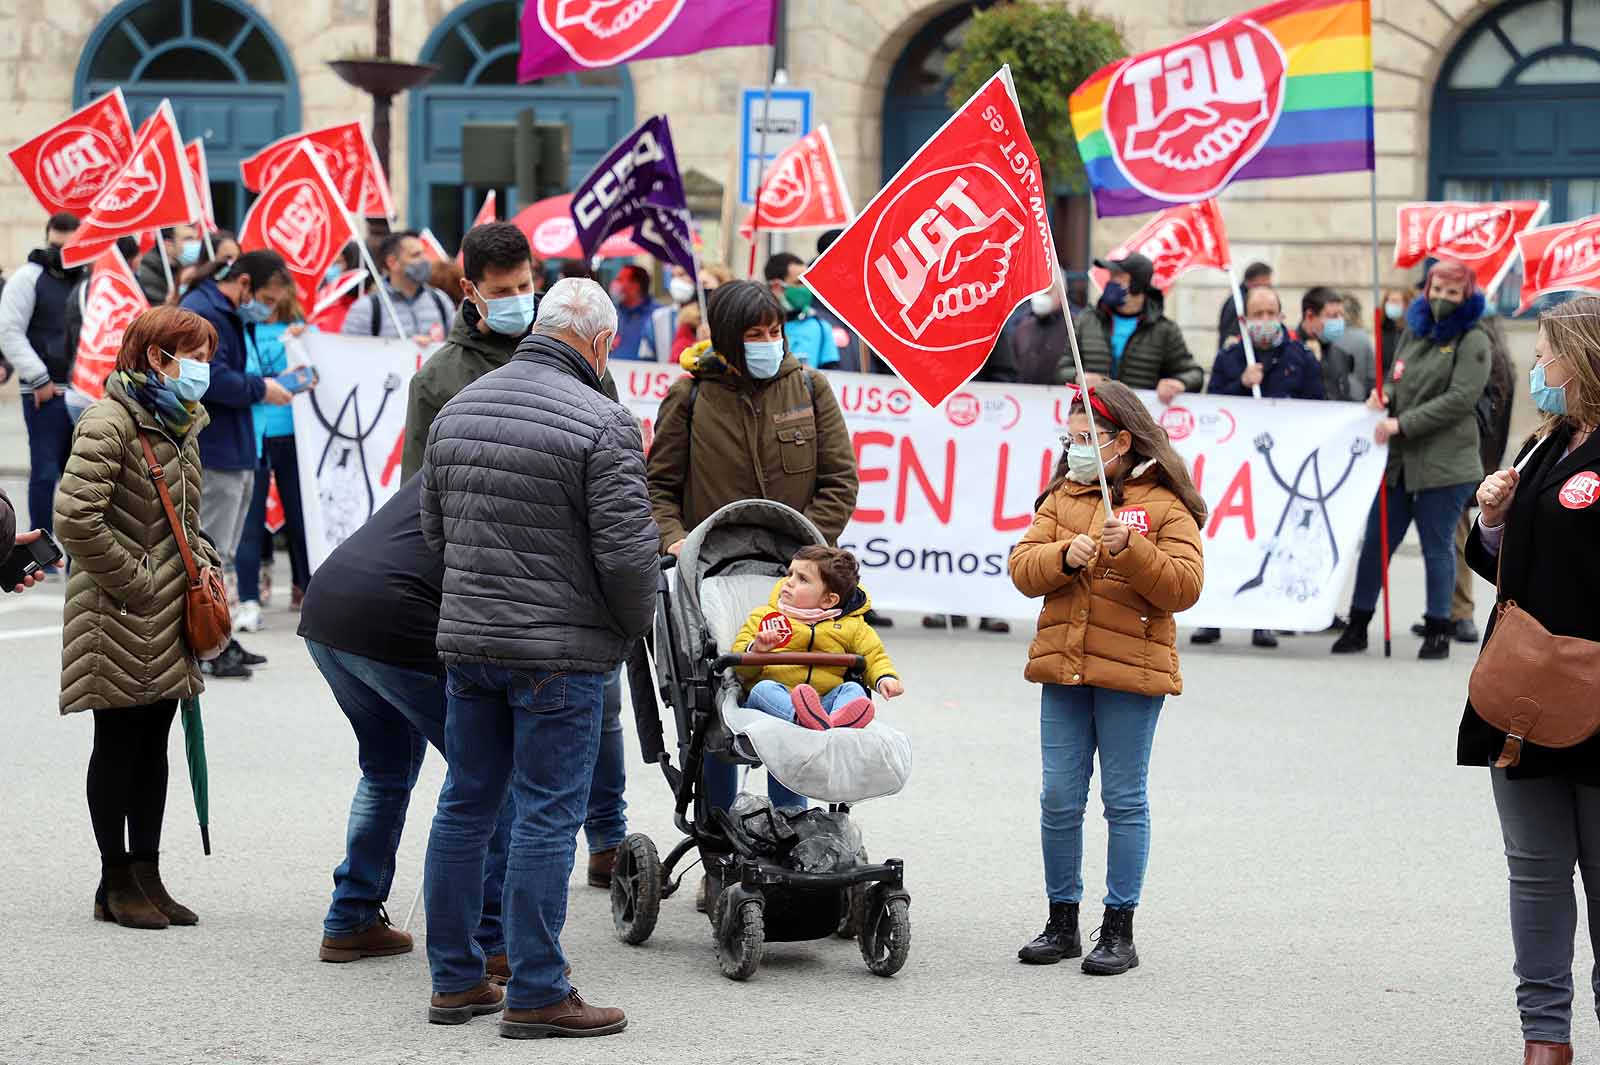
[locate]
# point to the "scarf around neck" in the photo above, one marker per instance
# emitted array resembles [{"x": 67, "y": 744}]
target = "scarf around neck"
[
  {"x": 153, "y": 393},
  {"x": 813, "y": 616}
]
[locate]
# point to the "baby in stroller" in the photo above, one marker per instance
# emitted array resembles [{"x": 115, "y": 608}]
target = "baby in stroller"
[{"x": 819, "y": 607}]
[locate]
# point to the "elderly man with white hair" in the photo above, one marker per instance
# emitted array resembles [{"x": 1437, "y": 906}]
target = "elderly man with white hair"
[{"x": 533, "y": 489}]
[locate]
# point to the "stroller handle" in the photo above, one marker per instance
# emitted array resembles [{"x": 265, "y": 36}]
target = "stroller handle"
[{"x": 795, "y": 658}]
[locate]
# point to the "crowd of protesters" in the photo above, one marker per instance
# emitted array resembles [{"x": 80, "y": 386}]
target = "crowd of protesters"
[{"x": 426, "y": 636}]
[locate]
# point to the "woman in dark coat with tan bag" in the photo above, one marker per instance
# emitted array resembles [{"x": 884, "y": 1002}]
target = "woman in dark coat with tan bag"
[
  {"x": 124, "y": 655},
  {"x": 1536, "y": 533}
]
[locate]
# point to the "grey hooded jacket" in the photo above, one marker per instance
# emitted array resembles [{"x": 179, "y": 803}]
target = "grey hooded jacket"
[{"x": 533, "y": 488}]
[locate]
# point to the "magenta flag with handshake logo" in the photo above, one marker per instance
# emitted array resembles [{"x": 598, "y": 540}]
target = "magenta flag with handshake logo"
[{"x": 561, "y": 36}]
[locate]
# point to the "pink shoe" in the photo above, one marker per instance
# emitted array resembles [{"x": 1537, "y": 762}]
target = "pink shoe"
[
  {"x": 808, "y": 712},
  {"x": 857, "y": 713}
]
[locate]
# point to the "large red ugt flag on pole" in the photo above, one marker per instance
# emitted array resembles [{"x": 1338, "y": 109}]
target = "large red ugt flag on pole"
[
  {"x": 1481, "y": 236},
  {"x": 1564, "y": 258},
  {"x": 152, "y": 191},
  {"x": 111, "y": 303},
  {"x": 1177, "y": 240},
  {"x": 301, "y": 216},
  {"x": 69, "y": 164},
  {"x": 803, "y": 189},
  {"x": 940, "y": 258}
]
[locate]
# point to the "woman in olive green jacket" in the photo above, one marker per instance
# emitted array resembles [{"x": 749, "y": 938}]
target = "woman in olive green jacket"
[
  {"x": 124, "y": 655},
  {"x": 1439, "y": 371}
]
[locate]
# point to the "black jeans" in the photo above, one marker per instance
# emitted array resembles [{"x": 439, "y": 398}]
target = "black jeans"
[{"x": 128, "y": 780}]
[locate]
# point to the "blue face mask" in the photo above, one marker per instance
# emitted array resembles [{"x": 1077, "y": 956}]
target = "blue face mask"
[
  {"x": 1548, "y": 398},
  {"x": 194, "y": 377},
  {"x": 1333, "y": 329},
  {"x": 189, "y": 252},
  {"x": 511, "y": 315},
  {"x": 1113, "y": 295},
  {"x": 761, "y": 358},
  {"x": 332, "y": 273},
  {"x": 253, "y": 310}
]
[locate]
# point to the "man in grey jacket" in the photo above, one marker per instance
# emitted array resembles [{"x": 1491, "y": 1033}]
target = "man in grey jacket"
[{"x": 533, "y": 488}]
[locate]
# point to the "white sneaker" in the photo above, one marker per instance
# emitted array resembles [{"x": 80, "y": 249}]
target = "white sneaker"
[{"x": 248, "y": 617}]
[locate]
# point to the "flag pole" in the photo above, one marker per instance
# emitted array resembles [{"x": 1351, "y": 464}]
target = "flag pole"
[
  {"x": 761, "y": 151},
  {"x": 1244, "y": 334},
  {"x": 205, "y": 234},
  {"x": 1377, "y": 355},
  {"x": 1083, "y": 383}
]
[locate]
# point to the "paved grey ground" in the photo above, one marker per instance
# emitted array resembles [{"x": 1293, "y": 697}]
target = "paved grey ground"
[{"x": 1325, "y": 886}]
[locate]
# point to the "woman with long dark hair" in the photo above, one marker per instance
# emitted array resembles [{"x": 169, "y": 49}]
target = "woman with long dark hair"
[
  {"x": 1105, "y": 652},
  {"x": 124, "y": 655}
]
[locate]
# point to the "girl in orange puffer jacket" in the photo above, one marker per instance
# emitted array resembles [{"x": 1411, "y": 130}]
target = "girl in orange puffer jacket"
[{"x": 1105, "y": 652}]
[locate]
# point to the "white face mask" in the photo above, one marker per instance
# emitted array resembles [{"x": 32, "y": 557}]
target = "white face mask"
[
  {"x": 681, "y": 289},
  {"x": 1043, "y": 303}
]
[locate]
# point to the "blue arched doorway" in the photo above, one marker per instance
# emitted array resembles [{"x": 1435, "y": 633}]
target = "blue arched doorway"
[
  {"x": 476, "y": 49},
  {"x": 1516, "y": 113},
  {"x": 219, "y": 62},
  {"x": 916, "y": 101}
]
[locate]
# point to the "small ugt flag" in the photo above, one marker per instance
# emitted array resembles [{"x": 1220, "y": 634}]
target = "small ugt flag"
[
  {"x": 1177, "y": 240},
  {"x": 112, "y": 300},
  {"x": 153, "y": 190},
  {"x": 929, "y": 272},
  {"x": 561, "y": 36},
  {"x": 345, "y": 151},
  {"x": 68, "y": 165},
  {"x": 803, "y": 189},
  {"x": 1480, "y": 236},
  {"x": 1562, "y": 258},
  {"x": 301, "y": 216}
]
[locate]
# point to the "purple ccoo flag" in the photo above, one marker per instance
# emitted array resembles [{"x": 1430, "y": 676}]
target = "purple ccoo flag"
[
  {"x": 559, "y": 36},
  {"x": 637, "y": 184}
]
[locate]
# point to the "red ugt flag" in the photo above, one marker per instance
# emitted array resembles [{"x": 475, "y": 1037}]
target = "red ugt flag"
[
  {"x": 68, "y": 164},
  {"x": 200, "y": 175},
  {"x": 1177, "y": 240},
  {"x": 345, "y": 152},
  {"x": 301, "y": 216},
  {"x": 803, "y": 189},
  {"x": 152, "y": 191},
  {"x": 1481, "y": 236},
  {"x": 940, "y": 258},
  {"x": 1564, "y": 258},
  {"x": 112, "y": 301}
]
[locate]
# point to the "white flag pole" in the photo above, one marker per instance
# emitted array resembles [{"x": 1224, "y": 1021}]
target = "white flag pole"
[
  {"x": 166, "y": 263},
  {"x": 1244, "y": 333},
  {"x": 1083, "y": 388}
]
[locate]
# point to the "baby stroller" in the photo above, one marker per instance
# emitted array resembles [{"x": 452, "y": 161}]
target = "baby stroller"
[{"x": 773, "y": 875}]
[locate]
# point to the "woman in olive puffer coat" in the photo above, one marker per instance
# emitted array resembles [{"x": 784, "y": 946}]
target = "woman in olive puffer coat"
[{"x": 124, "y": 655}]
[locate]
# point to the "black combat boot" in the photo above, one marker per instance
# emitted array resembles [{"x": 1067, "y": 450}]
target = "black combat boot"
[
  {"x": 1436, "y": 642},
  {"x": 1058, "y": 940},
  {"x": 1354, "y": 636},
  {"x": 1113, "y": 955}
]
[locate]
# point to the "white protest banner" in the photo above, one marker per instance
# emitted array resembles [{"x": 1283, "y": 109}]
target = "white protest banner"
[
  {"x": 946, "y": 492},
  {"x": 349, "y": 431}
]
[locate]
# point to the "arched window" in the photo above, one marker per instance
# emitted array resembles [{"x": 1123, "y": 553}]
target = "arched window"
[
  {"x": 476, "y": 49},
  {"x": 221, "y": 65},
  {"x": 1516, "y": 113}
]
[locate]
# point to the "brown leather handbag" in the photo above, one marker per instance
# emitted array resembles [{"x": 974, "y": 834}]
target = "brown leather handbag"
[{"x": 207, "y": 625}]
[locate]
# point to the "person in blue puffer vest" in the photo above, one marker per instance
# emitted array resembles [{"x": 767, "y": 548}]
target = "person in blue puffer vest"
[{"x": 277, "y": 458}]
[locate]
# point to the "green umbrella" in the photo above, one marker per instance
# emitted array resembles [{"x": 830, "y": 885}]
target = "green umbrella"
[{"x": 194, "y": 748}]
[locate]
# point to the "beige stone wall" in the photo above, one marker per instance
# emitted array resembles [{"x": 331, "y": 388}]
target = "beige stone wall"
[{"x": 1314, "y": 230}]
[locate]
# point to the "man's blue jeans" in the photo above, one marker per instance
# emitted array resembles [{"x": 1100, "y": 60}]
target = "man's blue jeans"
[
  {"x": 395, "y": 713},
  {"x": 607, "y": 822},
  {"x": 49, "y": 443},
  {"x": 535, "y": 733},
  {"x": 1074, "y": 722},
  {"x": 1436, "y": 512}
]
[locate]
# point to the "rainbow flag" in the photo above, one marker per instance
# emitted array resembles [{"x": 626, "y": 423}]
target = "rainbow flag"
[{"x": 1281, "y": 91}]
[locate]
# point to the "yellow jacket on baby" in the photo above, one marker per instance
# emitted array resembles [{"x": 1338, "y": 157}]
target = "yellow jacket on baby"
[{"x": 848, "y": 634}]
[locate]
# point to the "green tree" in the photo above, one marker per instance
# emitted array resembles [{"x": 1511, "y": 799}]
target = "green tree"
[{"x": 1052, "y": 50}]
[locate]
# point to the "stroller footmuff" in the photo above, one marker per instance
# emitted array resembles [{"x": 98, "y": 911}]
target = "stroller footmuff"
[{"x": 773, "y": 875}]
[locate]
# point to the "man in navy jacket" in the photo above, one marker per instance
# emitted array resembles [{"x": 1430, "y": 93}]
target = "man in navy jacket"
[{"x": 1283, "y": 367}]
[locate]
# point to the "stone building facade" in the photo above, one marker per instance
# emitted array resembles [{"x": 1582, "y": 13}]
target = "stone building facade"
[{"x": 1466, "y": 99}]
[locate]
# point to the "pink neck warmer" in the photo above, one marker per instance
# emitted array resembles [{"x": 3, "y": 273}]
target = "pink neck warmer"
[{"x": 814, "y": 616}]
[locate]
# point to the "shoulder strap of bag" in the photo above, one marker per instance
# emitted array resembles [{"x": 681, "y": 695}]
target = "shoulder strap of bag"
[
  {"x": 158, "y": 474},
  {"x": 1500, "y": 556}
]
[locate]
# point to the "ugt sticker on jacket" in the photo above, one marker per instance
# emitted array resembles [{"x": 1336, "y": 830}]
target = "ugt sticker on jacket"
[{"x": 931, "y": 270}]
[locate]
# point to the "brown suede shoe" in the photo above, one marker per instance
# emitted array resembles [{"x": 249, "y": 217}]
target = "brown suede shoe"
[
  {"x": 148, "y": 875},
  {"x": 572, "y": 1017},
  {"x": 600, "y": 863},
  {"x": 379, "y": 941},
  {"x": 461, "y": 1006},
  {"x": 1538, "y": 1052},
  {"x": 124, "y": 901}
]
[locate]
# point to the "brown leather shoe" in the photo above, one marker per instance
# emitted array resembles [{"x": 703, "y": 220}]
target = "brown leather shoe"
[
  {"x": 379, "y": 941},
  {"x": 122, "y": 900},
  {"x": 148, "y": 876},
  {"x": 498, "y": 969},
  {"x": 459, "y": 1007},
  {"x": 1538, "y": 1052},
  {"x": 600, "y": 863},
  {"x": 572, "y": 1017}
]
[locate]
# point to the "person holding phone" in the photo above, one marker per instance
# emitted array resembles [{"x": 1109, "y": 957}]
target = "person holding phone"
[
  {"x": 10, "y": 536},
  {"x": 124, "y": 655}
]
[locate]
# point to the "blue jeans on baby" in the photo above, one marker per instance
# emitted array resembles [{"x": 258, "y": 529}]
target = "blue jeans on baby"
[
  {"x": 773, "y": 698},
  {"x": 720, "y": 779},
  {"x": 1074, "y": 722}
]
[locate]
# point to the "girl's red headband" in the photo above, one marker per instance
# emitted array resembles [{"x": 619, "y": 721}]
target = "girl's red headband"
[{"x": 1099, "y": 407}]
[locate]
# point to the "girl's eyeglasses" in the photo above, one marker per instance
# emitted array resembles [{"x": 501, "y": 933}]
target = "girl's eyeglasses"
[{"x": 1085, "y": 439}]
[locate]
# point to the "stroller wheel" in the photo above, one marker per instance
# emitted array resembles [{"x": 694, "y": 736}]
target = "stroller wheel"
[
  {"x": 885, "y": 938},
  {"x": 741, "y": 933},
  {"x": 636, "y": 889}
]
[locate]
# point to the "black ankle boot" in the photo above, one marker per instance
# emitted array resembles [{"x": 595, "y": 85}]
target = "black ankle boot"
[
  {"x": 1354, "y": 636},
  {"x": 1058, "y": 940},
  {"x": 1113, "y": 955},
  {"x": 1436, "y": 641}
]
